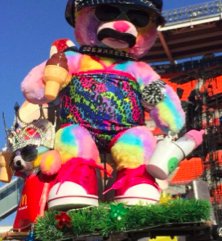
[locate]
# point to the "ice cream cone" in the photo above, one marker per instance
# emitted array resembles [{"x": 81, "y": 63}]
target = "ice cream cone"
[{"x": 55, "y": 77}]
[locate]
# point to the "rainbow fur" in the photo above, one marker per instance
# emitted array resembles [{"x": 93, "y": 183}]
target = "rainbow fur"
[
  {"x": 168, "y": 114},
  {"x": 133, "y": 148},
  {"x": 140, "y": 71},
  {"x": 50, "y": 162},
  {"x": 75, "y": 141}
]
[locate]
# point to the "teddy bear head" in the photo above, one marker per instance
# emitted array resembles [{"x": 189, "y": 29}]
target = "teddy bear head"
[{"x": 125, "y": 25}]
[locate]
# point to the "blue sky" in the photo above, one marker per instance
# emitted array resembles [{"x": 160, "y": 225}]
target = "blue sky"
[{"x": 27, "y": 28}]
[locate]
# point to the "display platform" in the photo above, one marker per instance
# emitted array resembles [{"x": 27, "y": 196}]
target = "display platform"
[
  {"x": 189, "y": 232},
  {"x": 118, "y": 222},
  {"x": 195, "y": 230}
]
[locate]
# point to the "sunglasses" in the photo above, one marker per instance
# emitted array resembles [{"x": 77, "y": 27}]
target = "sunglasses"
[
  {"x": 106, "y": 12},
  {"x": 28, "y": 153}
]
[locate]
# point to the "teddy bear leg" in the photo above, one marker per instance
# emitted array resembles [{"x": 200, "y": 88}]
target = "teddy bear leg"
[
  {"x": 131, "y": 151},
  {"x": 76, "y": 182}
]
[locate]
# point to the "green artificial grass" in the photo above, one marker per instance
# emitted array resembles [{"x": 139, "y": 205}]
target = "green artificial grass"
[{"x": 112, "y": 217}]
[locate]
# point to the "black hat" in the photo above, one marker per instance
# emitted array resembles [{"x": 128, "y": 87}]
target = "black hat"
[{"x": 155, "y": 5}]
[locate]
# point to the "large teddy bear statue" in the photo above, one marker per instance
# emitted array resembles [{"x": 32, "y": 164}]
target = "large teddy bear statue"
[{"x": 103, "y": 89}]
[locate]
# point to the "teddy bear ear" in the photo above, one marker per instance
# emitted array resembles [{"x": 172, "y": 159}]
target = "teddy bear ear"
[{"x": 70, "y": 12}]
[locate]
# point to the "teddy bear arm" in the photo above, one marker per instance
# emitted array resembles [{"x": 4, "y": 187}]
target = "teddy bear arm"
[
  {"x": 164, "y": 106},
  {"x": 32, "y": 86}
]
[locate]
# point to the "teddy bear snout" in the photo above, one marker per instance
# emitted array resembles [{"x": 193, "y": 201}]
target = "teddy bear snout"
[
  {"x": 121, "y": 26},
  {"x": 18, "y": 163}
]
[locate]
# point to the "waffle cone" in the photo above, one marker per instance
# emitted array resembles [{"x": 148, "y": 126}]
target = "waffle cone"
[{"x": 55, "y": 77}]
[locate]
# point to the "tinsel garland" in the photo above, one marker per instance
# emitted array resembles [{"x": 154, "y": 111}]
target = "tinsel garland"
[{"x": 112, "y": 217}]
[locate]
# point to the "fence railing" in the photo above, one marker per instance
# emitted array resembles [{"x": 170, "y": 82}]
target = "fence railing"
[
  {"x": 9, "y": 197},
  {"x": 206, "y": 66},
  {"x": 202, "y": 10}
]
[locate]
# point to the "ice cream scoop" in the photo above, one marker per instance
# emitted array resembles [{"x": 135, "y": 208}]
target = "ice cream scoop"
[
  {"x": 56, "y": 75},
  {"x": 60, "y": 45}
]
